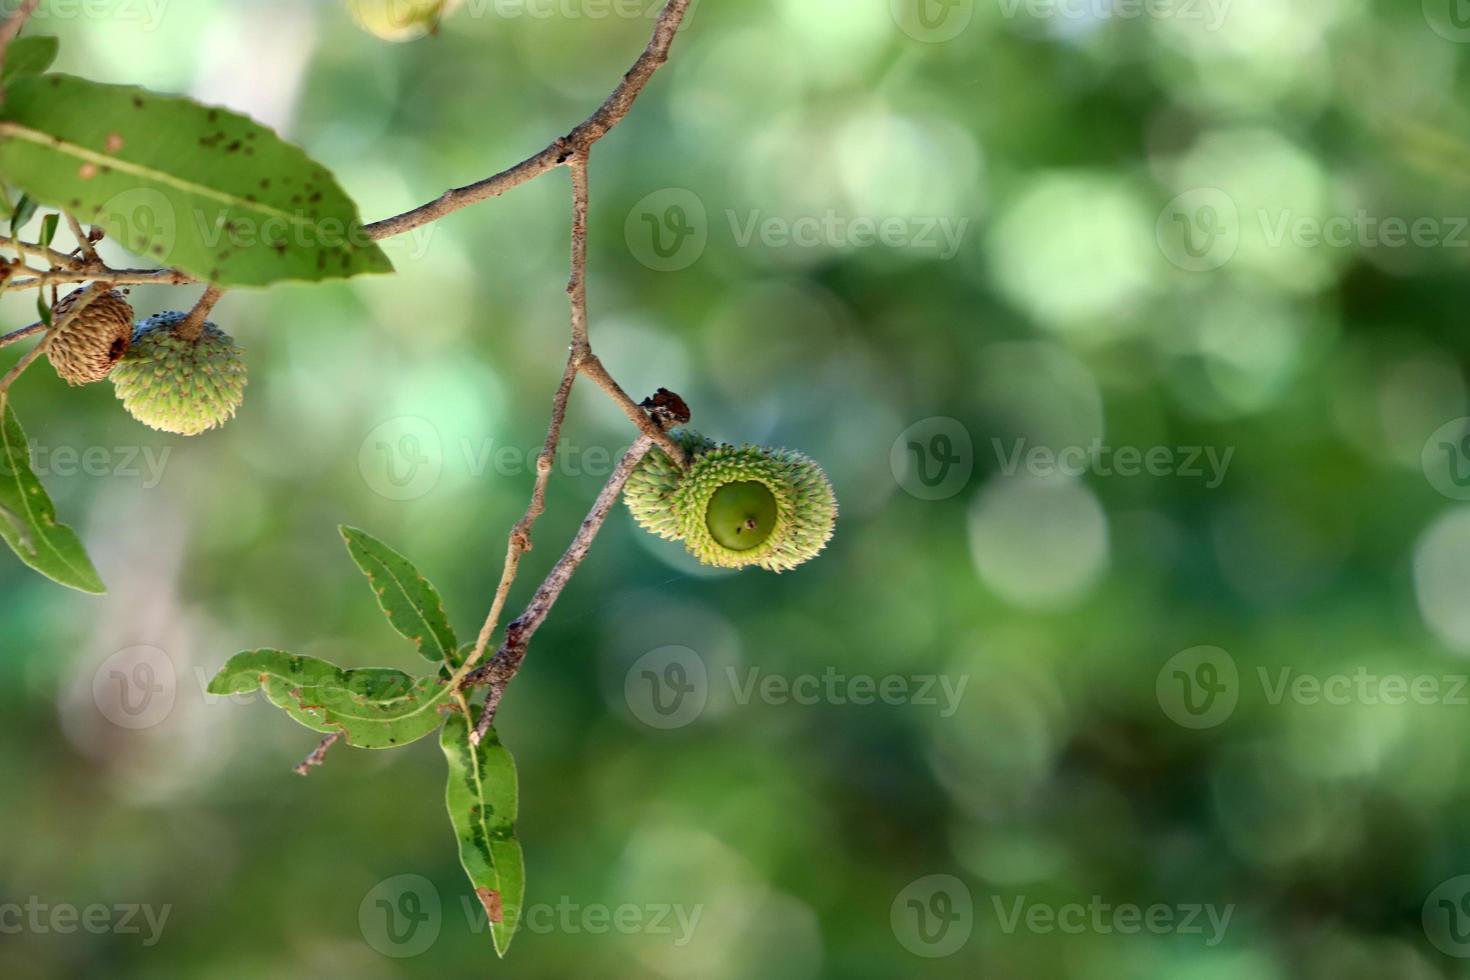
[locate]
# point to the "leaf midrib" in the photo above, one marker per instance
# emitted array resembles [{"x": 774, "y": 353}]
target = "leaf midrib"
[
  {"x": 49, "y": 141},
  {"x": 431, "y": 636},
  {"x": 426, "y": 704}
]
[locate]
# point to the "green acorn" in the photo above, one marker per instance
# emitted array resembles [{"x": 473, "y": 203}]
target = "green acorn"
[
  {"x": 736, "y": 507},
  {"x": 176, "y": 384},
  {"x": 649, "y": 490}
]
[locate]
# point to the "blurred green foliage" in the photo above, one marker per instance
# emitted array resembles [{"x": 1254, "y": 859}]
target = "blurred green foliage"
[{"x": 1174, "y": 232}]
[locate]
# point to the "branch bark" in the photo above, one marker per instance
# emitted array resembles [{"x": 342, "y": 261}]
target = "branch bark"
[
  {"x": 652, "y": 417},
  {"x": 507, "y": 661},
  {"x": 193, "y": 325},
  {"x": 560, "y": 151}
]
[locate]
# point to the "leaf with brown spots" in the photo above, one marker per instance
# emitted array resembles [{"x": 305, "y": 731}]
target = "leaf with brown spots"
[
  {"x": 167, "y": 178},
  {"x": 482, "y": 798},
  {"x": 371, "y": 708},
  {"x": 409, "y": 600}
]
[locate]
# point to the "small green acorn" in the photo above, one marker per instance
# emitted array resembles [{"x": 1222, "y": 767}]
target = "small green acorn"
[
  {"x": 736, "y": 506},
  {"x": 175, "y": 384}
]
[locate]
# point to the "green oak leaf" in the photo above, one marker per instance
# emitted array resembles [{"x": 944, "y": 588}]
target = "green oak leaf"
[
  {"x": 371, "y": 708},
  {"x": 29, "y": 56},
  {"x": 184, "y": 184},
  {"x": 482, "y": 798},
  {"x": 410, "y": 602},
  {"x": 28, "y": 518}
]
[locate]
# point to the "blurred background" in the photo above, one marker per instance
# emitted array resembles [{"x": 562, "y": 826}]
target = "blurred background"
[{"x": 1132, "y": 336}]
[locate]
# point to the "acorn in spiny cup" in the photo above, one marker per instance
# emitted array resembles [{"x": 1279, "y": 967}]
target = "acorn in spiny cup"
[
  {"x": 737, "y": 506},
  {"x": 181, "y": 384},
  {"x": 650, "y": 489},
  {"x": 95, "y": 339}
]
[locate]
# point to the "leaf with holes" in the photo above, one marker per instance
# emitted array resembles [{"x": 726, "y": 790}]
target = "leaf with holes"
[
  {"x": 28, "y": 518},
  {"x": 371, "y": 708},
  {"x": 410, "y": 602},
  {"x": 482, "y": 799},
  {"x": 183, "y": 184}
]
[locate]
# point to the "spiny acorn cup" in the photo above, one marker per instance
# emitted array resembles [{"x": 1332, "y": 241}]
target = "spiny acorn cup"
[
  {"x": 175, "y": 384},
  {"x": 95, "y": 339},
  {"x": 650, "y": 489},
  {"x": 737, "y": 507}
]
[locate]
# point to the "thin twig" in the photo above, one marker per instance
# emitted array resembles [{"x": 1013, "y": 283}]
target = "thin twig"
[
  {"x": 318, "y": 755},
  {"x": 10, "y": 29},
  {"x": 592, "y": 366},
  {"x": 520, "y": 535},
  {"x": 507, "y": 661},
  {"x": 561, "y": 150},
  {"x": 193, "y": 324},
  {"x": 55, "y": 256},
  {"x": 18, "y": 335},
  {"x": 577, "y": 281},
  {"x": 118, "y": 277},
  {"x": 84, "y": 241}
]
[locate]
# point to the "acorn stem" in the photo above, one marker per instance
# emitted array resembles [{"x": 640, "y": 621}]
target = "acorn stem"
[{"x": 193, "y": 327}]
